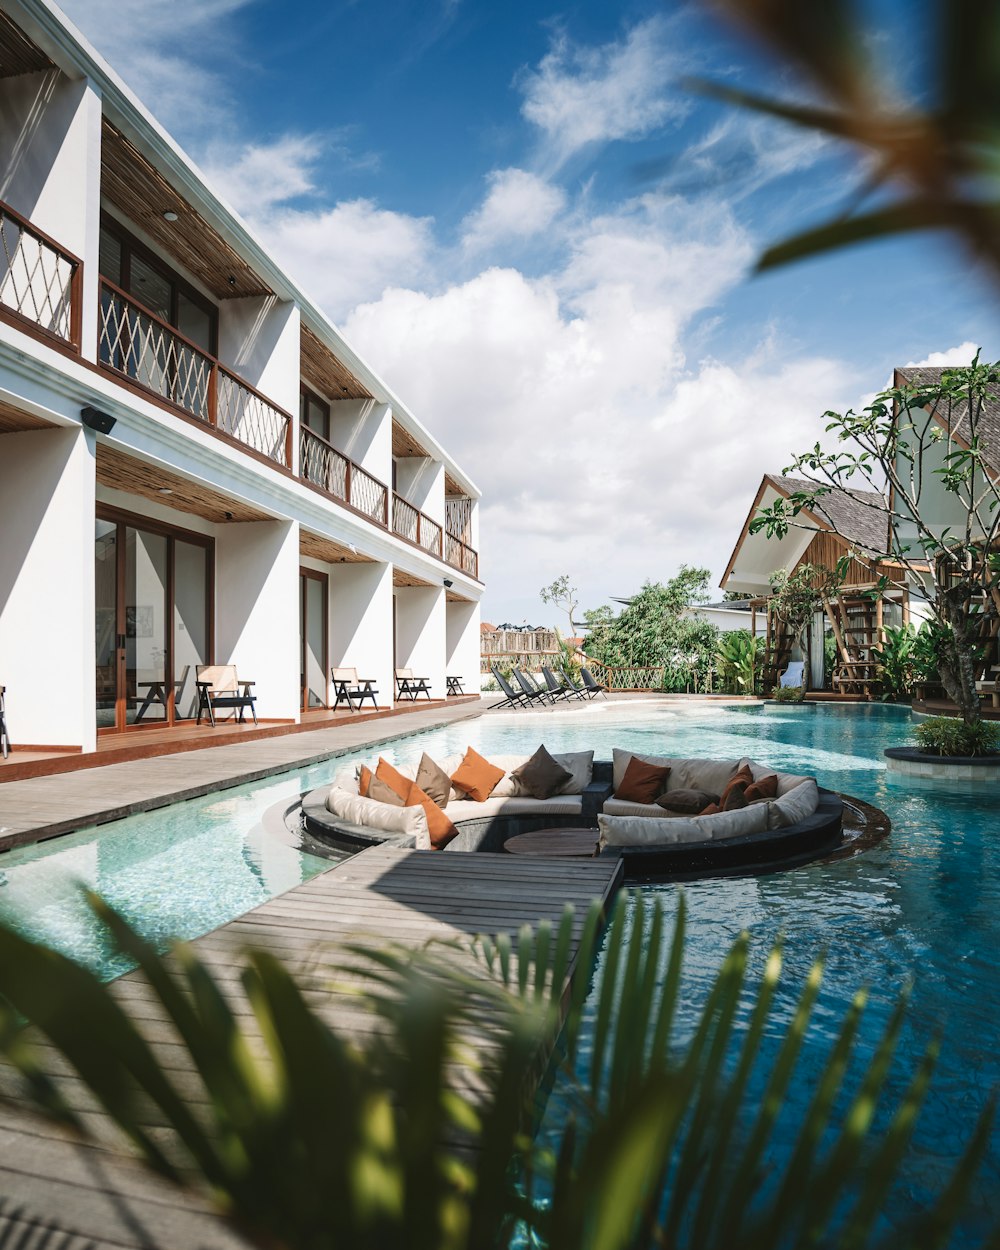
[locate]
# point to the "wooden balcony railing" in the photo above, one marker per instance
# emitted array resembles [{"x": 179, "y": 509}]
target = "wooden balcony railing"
[
  {"x": 141, "y": 348},
  {"x": 324, "y": 466},
  {"x": 461, "y": 555},
  {"x": 40, "y": 282},
  {"x": 412, "y": 524}
]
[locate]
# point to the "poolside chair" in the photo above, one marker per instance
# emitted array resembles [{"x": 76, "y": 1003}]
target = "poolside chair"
[
  {"x": 513, "y": 698},
  {"x": 4, "y": 737},
  {"x": 559, "y": 690},
  {"x": 533, "y": 692},
  {"x": 218, "y": 686},
  {"x": 581, "y": 692},
  {"x": 793, "y": 674},
  {"x": 409, "y": 687},
  {"x": 590, "y": 684},
  {"x": 348, "y": 686}
]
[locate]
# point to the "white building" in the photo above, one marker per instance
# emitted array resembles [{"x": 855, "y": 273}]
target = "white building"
[{"x": 194, "y": 466}]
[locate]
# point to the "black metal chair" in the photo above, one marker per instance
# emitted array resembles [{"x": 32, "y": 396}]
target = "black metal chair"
[
  {"x": 455, "y": 686},
  {"x": 560, "y": 690},
  {"x": 218, "y": 686},
  {"x": 532, "y": 691},
  {"x": 410, "y": 687},
  {"x": 4, "y": 736},
  {"x": 348, "y": 686},
  {"x": 594, "y": 686}
]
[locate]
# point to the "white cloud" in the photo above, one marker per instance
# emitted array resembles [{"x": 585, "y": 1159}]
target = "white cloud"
[
  {"x": 518, "y": 205},
  {"x": 264, "y": 175},
  {"x": 580, "y": 96},
  {"x": 961, "y": 355}
]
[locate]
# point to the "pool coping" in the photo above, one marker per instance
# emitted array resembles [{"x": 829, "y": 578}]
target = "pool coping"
[{"x": 38, "y": 808}]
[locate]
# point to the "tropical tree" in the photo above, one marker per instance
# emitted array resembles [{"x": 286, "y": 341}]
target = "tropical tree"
[
  {"x": 306, "y": 1140},
  {"x": 797, "y": 596},
  {"x": 925, "y": 443},
  {"x": 562, "y": 595},
  {"x": 736, "y": 657},
  {"x": 931, "y": 159}
]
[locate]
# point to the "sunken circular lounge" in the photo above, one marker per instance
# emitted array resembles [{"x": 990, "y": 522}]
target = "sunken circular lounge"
[{"x": 694, "y": 817}]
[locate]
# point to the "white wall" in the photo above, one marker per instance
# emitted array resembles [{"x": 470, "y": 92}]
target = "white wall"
[
  {"x": 462, "y": 642},
  {"x": 257, "y": 610},
  {"x": 361, "y": 623},
  {"x": 420, "y": 481},
  {"x": 47, "y": 587},
  {"x": 362, "y": 430},
  {"x": 421, "y": 634},
  {"x": 50, "y": 169}
]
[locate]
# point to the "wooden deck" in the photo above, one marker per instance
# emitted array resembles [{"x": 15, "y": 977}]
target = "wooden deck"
[{"x": 102, "y": 1193}]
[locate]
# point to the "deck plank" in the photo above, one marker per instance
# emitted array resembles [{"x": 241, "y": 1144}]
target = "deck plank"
[{"x": 383, "y": 894}]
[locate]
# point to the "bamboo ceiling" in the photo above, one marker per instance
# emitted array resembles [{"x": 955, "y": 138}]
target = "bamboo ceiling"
[
  {"x": 13, "y": 421},
  {"x": 451, "y": 487},
  {"x": 322, "y": 371},
  {"x": 143, "y": 194},
  {"x": 401, "y": 578},
  {"x": 320, "y": 548},
  {"x": 119, "y": 471},
  {"x": 452, "y": 596},
  {"x": 18, "y": 55},
  {"x": 403, "y": 442}
]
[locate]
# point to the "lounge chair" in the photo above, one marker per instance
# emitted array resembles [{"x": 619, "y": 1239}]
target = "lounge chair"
[
  {"x": 792, "y": 676},
  {"x": 581, "y": 692},
  {"x": 348, "y": 686},
  {"x": 559, "y": 690},
  {"x": 531, "y": 688},
  {"x": 594, "y": 686},
  {"x": 409, "y": 687},
  {"x": 4, "y": 737},
  {"x": 513, "y": 698},
  {"x": 218, "y": 686}
]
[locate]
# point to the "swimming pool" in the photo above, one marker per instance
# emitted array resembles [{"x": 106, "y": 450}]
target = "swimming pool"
[{"x": 924, "y": 904}]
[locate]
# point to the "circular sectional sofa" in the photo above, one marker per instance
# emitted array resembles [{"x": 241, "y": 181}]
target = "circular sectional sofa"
[{"x": 799, "y": 822}]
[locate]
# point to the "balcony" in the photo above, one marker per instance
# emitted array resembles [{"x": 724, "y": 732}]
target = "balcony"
[
  {"x": 339, "y": 477},
  {"x": 416, "y": 527},
  {"x": 149, "y": 354},
  {"x": 40, "y": 282}
]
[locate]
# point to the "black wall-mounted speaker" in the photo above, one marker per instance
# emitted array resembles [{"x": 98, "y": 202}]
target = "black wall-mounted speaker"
[{"x": 94, "y": 419}]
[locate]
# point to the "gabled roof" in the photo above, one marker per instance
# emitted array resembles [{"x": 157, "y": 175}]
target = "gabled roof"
[
  {"x": 989, "y": 421},
  {"x": 860, "y": 516}
]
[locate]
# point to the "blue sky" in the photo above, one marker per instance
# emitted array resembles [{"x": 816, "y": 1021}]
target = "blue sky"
[{"x": 542, "y": 240}]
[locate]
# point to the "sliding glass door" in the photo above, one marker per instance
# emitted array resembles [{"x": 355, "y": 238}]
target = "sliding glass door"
[
  {"x": 153, "y": 621},
  {"x": 313, "y": 589}
]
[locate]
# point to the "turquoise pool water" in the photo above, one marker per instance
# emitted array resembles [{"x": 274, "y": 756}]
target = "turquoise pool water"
[{"x": 923, "y": 905}]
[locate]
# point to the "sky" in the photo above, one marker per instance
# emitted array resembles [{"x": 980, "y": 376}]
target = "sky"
[{"x": 525, "y": 220}]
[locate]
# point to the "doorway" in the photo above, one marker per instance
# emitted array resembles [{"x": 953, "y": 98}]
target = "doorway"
[
  {"x": 314, "y": 632},
  {"x": 153, "y": 600}
]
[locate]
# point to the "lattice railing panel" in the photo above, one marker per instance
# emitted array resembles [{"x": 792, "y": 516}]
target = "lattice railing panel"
[
  {"x": 460, "y": 555},
  {"x": 626, "y": 677},
  {"x": 405, "y": 519},
  {"x": 36, "y": 279},
  {"x": 251, "y": 419},
  {"x": 430, "y": 535},
  {"x": 322, "y": 464},
  {"x": 145, "y": 350},
  {"x": 368, "y": 494},
  {"x": 458, "y": 517}
]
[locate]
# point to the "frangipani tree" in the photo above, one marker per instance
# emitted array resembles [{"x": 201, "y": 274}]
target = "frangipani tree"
[{"x": 924, "y": 443}]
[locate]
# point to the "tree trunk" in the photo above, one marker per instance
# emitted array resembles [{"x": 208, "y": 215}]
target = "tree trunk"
[{"x": 956, "y": 666}]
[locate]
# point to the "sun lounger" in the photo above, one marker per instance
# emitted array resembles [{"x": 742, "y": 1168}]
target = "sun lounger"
[
  {"x": 591, "y": 685},
  {"x": 531, "y": 689},
  {"x": 513, "y": 698},
  {"x": 559, "y": 690}
]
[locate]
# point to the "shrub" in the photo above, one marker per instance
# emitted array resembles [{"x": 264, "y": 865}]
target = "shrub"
[
  {"x": 788, "y": 694},
  {"x": 947, "y": 735}
]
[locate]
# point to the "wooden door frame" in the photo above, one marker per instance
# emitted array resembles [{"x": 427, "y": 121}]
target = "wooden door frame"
[
  {"x": 121, "y": 519},
  {"x": 324, "y": 580}
]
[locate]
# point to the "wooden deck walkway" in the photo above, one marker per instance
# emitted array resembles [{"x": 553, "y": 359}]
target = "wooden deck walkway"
[{"x": 380, "y": 895}]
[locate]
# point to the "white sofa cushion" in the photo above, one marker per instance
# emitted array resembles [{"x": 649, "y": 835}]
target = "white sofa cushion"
[
  {"x": 514, "y": 805},
  {"x": 794, "y": 805},
  {"x": 622, "y": 807},
  {"x": 357, "y": 810},
  {"x": 669, "y": 830},
  {"x": 685, "y": 774}
]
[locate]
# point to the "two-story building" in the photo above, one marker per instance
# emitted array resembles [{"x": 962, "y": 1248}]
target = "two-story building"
[{"x": 195, "y": 467}]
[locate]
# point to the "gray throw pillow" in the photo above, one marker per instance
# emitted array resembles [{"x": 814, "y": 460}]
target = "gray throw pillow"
[
  {"x": 541, "y": 776},
  {"x": 687, "y": 802},
  {"x": 382, "y": 793},
  {"x": 433, "y": 780}
]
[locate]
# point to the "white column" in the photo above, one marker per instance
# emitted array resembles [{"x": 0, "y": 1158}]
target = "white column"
[
  {"x": 361, "y": 623},
  {"x": 257, "y": 611},
  {"x": 421, "y": 634},
  {"x": 47, "y": 483},
  {"x": 362, "y": 430},
  {"x": 463, "y": 620}
]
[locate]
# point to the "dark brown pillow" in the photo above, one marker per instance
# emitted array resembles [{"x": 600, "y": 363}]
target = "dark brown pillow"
[
  {"x": 382, "y": 792},
  {"x": 541, "y": 776},
  {"x": 713, "y": 809},
  {"x": 642, "y": 783},
  {"x": 764, "y": 788},
  {"x": 733, "y": 795},
  {"x": 433, "y": 780},
  {"x": 688, "y": 802}
]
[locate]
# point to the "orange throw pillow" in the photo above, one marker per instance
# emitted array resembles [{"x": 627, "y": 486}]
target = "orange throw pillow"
[
  {"x": 438, "y": 825},
  {"x": 733, "y": 796},
  {"x": 642, "y": 783},
  {"x": 476, "y": 777},
  {"x": 393, "y": 778},
  {"x": 712, "y": 810},
  {"x": 364, "y": 780},
  {"x": 765, "y": 788}
]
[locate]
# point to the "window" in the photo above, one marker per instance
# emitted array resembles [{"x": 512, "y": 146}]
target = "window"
[{"x": 314, "y": 413}]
